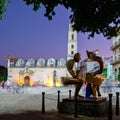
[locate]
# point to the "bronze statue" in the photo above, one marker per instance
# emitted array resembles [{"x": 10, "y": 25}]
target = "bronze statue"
[
  {"x": 74, "y": 80},
  {"x": 91, "y": 78}
]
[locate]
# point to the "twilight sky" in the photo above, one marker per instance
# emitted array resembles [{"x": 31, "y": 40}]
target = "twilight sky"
[{"x": 27, "y": 34}]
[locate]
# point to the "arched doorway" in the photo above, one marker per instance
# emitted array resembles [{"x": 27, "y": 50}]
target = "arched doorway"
[{"x": 26, "y": 81}]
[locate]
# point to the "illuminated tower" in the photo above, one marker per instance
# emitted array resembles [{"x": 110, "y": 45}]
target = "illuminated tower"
[{"x": 72, "y": 42}]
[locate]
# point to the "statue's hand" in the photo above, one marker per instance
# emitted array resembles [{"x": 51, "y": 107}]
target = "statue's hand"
[{"x": 75, "y": 76}]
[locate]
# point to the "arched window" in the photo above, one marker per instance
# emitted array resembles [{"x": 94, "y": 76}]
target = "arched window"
[
  {"x": 61, "y": 63},
  {"x": 51, "y": 62},
  {"x": 72, "y": 46},
  {"x": 116, "y": 74},
  {"x": 119, "y": 39},
  {"x": 20, "y": 63},
  {"x": 40, "y": 62},
  {"x": 72, "y": 52},
  {"x": 30, "y": 62},
  {"x": 72, "y": 36}
]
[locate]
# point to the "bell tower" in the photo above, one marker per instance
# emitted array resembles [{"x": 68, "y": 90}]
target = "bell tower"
[{"x": 72, "y": 42}]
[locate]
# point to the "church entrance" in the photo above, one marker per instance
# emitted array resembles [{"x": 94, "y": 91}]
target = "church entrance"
[{"x": 26, "y": 81}]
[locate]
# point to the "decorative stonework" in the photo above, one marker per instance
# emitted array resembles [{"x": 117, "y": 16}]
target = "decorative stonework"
[{"x": 26, "y": 70}]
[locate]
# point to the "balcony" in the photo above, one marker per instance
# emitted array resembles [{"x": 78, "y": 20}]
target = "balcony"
[
  {"x": 115, "y": 61},
  {"x": 115, "y": 46}
]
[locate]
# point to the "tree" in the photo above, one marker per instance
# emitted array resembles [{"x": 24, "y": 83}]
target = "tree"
[
  {"x": 3, "y": 73},
  {"x": 104, "y": 73},
  {"x": 3, "y": 4},
  {"x": 119, "y": 76},
  {"x": 92, "y": 16}
]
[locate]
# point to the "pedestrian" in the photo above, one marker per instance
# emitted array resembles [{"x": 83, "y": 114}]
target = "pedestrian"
[
  {"x": 8, "y": 85},
  {"x": 3, "y": 84}
]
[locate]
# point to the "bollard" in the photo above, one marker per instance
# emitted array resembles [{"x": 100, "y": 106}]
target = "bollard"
[
  {"x": 110, "y": 107},
  {"x": 58, "y": 98},
  {"x": 117, "y": 103},
  {"x": 69, "y": 93},
  {"x": 43, "y": 102},
  {"x": 76, "y": 110}
]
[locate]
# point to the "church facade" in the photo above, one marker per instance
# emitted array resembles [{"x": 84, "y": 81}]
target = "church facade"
[{"x": 42, "y": 72}]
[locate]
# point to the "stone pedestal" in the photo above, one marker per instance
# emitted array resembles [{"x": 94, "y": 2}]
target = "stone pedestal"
[{"x": 85, "y": 106}]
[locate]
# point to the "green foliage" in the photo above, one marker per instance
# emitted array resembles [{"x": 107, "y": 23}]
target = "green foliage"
[
  {"x": 104, "y": 73},
  {"x": 3, "y": 4},
  {"x": 92, "y": 16},
  {"x": 119, "y": 76},
  {"x": 3, "y": 73}
]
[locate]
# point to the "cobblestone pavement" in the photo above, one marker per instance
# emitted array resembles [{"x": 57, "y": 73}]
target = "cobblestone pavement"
[{"x": 28, "y": 106}]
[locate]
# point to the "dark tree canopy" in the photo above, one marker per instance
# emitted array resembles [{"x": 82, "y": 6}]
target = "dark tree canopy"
[
  {"x": 119, "y": 77},
  {"x": 3, "y": 73},
  {"x": 3, "y": 4},
  {"x": 92, "y": 16}
]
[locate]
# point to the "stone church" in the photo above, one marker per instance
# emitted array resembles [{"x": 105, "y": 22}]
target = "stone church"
[{"x": 33, "y": 72}]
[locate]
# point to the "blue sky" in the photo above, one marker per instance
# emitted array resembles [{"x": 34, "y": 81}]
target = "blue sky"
[{"x": 28, "y": 34}]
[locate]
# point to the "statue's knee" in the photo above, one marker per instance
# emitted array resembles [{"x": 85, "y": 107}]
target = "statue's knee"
[{"x": 81, "y": 83}]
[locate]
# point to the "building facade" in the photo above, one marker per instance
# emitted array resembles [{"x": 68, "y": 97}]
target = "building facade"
[
  {"x": 108, "y": 68},
  {"x": 44, "y": 72},
  {"x": 116, "y": 57}
]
